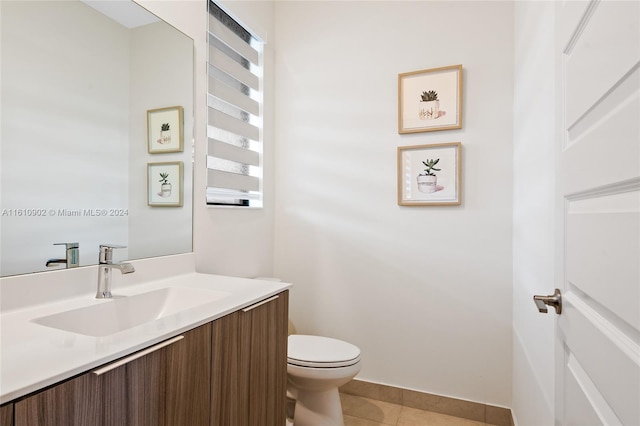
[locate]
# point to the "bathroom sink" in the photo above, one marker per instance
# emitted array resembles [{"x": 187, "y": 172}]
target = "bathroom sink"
[{"x": 124, "y": 312}]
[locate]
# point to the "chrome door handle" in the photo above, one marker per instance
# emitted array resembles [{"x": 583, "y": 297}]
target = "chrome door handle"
[
  {"x": 100, "y": 371},
  {"x": 554, "y": 300},
  {"x": 262, "y": 302}
]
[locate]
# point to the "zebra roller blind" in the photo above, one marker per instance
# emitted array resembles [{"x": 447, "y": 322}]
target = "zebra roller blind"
[{"x": 234, "y": 125}]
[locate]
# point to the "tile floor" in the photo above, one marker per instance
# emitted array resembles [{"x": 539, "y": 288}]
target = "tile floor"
[{"x": 360, "y": 411}]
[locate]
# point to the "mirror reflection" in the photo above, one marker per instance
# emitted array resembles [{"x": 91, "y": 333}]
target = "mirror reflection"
[{"x": 75, "y": 149}]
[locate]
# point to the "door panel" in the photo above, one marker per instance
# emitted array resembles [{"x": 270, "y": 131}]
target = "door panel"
[
  {"x": 604, "y": 33},
  {"x": 605, "y": 354},
  {"x": 579, "y": 411},
  {"x": 605, "y": 235},
  {"x": 609, "y": 130},
  {"x": 598, "y": 85}
]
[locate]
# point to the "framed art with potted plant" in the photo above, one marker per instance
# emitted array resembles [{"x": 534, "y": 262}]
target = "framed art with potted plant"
[
  {"x": 430, "y": 100},
  {"x": 164, "y": 184},
  {"x": 430, "y": 175},
  {"x": 164, "y": 130}
]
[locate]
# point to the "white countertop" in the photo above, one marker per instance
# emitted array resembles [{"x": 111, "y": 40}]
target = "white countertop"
[{"x": 33, "y": 356}]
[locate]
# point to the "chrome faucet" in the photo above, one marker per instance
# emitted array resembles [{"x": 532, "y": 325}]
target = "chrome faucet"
[
  {"x": 72, "y": 259},
  {"x": 105, "y": 265}
]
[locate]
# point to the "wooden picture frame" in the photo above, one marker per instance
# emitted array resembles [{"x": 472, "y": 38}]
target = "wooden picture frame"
[
  {"x": 430, "y": 100},
  {"x": 165, "y": 184},
  {"x": 165, "y": 130},
  {"x": 430, "y": 175}
]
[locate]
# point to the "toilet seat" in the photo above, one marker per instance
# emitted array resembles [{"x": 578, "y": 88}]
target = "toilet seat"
[{"x": 321, "y": 352}]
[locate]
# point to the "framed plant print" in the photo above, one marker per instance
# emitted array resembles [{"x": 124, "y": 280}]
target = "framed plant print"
[
  {"x": 164, "y": 130},
  {"x": 430, "y": 175},
  {"x": 430, "y": 100},
  {"x": 164, "y": 184}
]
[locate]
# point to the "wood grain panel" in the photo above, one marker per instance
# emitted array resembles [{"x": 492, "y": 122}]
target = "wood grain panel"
[
  {"x": 146, "y": 390},
  {"x": 258, "y": 322},
  {"x": 281, "y": 324},
  {"x": 244, "y": 376},
  {"x": 114, "y": 397},
  {"x": 225, "y": 371},
  {"x": 268, "y": 362},
  {"x": 6, "y": 415},
  {"x": 188, "y": 369},
  {"x": 72, "y": 403},
  {"x": 249, "y": 365}
]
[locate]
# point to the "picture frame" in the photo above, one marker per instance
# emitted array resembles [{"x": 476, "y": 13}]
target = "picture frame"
[
  {"x": 430, "y": 100},
  {"x": 165, "y": 184},
  {"x": 165, "y": 130},
  {"x": 430, "y": 175}
]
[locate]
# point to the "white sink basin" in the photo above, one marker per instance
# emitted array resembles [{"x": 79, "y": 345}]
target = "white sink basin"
[{"x": 124, "y": 312}]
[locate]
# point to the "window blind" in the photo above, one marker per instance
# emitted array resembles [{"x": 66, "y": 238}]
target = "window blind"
[{"x": 234, "y": 125}]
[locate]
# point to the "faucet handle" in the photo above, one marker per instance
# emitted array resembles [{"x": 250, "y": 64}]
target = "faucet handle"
[
  {"x": 106, "y": 252},
  {"x": 68, "y": 245}
]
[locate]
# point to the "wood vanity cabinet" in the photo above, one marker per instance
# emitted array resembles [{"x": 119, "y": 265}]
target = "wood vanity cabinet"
[
  {"x": 6, "y": 414},
  {"x": 75, "y": 402},
  {"x": 171, "y": 386},
  {"x": 230, "y": 372},
  {"x": 249, "y": 372},
  {"x": 168, "y": 386}
]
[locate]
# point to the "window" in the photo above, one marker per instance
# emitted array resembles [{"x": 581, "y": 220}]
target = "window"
[{"x": 234, "y": 125}]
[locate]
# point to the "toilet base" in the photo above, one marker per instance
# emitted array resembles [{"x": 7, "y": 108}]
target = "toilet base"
[{"x": 315, "y": 408}]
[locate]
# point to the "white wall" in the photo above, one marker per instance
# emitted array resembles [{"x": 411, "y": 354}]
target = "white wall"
[
  {"x": 425, "y": 292},
  {"x": 533, "y": 212}
]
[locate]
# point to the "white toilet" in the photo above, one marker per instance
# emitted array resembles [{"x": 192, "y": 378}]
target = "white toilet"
[{"x": 316, "y": 367}]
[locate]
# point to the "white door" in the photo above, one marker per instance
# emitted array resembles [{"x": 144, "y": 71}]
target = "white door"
[{"x": 598, "y": 86}]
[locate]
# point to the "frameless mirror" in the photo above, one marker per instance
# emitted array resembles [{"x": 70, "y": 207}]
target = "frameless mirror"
[{"x": 77, "y": 85}]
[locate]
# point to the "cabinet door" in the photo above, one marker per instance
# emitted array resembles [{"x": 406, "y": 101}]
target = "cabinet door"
[
  {"x": 6, "y": 415},
  {"x": 113, "y": 398},
  {"x": 76, "y": 402},
  {"x": 188, "y": 379},
  {"x": 145, "y": 384},
  {"x": 226, "y": 405},
  {"x": 249, "y": 365},
  {"x": 170, "y": 386},
  {"x": 266, "y": 327}
]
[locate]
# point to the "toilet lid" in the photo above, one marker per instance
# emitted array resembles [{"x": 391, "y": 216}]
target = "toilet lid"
[{"x": 321, "y": 352}]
